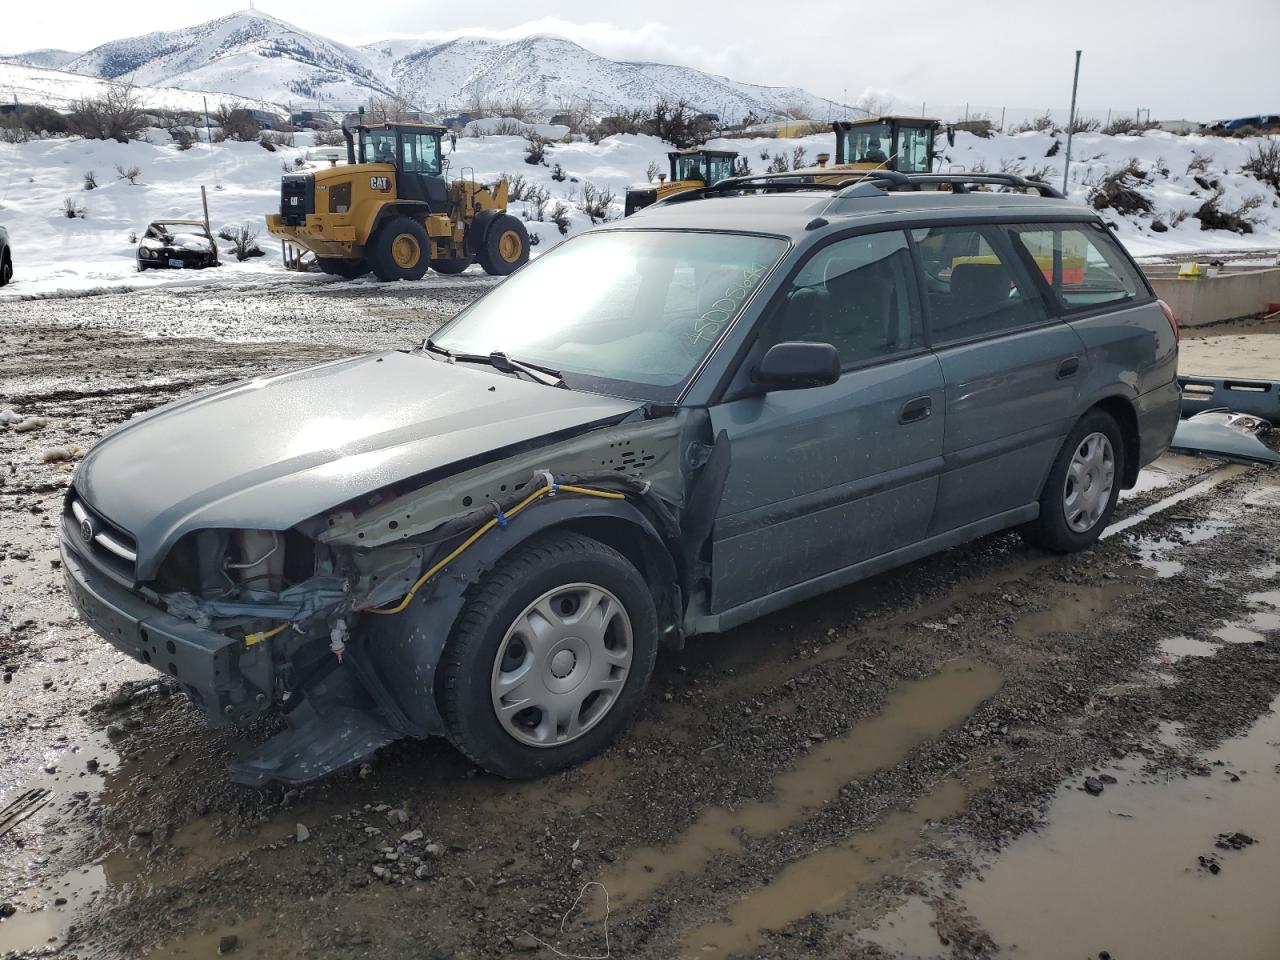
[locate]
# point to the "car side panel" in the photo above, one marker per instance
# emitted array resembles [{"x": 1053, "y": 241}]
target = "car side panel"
[
  {"x": 1008, "y": 411},
  {"x": 1132, "y": 353}
]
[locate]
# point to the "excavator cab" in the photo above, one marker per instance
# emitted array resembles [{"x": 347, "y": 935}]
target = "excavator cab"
[{"x": 690, "y": 169}]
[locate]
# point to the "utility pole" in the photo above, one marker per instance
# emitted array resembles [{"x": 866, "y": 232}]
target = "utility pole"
[{"x": 1071, "y": 123}]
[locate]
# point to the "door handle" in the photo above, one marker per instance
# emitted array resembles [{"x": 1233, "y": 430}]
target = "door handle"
[
  {"x": 913, "y": 411},
  {"x": 1068, "y": 368}
]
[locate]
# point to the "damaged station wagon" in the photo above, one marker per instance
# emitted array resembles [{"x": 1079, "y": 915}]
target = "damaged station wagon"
[{"x": 662, "y": 428}]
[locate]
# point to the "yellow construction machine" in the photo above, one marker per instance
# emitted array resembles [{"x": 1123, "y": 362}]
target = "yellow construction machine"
[
  {"x": 391, "y": 210},
  {"x": 903, "y": 144},
  {"x": 690, "y": 169}
]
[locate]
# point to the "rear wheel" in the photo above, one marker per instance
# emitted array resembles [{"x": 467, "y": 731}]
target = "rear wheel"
[
  {"x": 348, "y": 269},
  {"x": 400, "y": 250},
  {"x": 505, "y": 247},
  {"x": 452, "y": 266},
  {"x": 549, "y": 658},
  {"x": 1084, "y": 483},
  {"x": 6, "y": 270}
]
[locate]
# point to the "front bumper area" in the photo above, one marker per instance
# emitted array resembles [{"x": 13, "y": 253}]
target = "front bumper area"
[
  {"x": 229, "y": 681},
  {"x": 316, "y": 234}
]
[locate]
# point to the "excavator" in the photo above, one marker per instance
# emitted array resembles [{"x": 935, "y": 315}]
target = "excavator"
[{"x": 391, "y": 210}]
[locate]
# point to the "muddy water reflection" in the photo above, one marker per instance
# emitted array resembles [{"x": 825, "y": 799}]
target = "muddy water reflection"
[
  {"x": 916, "y": 713},
  {"x": 1120, "y": 872}
]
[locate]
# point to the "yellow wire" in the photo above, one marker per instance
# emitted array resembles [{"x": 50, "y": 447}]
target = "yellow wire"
[
  {"x": 485, "y": 528},
  {"x": 252, "y": 638}
]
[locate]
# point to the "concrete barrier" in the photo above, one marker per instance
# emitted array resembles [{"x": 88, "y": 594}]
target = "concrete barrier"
[{"x": 1228, "y": 296}]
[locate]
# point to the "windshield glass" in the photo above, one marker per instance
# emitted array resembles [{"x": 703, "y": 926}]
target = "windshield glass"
[
  {"x": 628, "y": 313},
  {"x": 867, "y": 143},
  {"x": 379, "y": 146},
  {"x": 692, "y": 167}
]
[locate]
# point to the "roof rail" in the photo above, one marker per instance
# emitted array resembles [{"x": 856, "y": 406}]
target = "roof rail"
[{"x": 861, "y": 181}]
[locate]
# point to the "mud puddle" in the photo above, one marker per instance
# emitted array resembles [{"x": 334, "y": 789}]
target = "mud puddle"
[
  {"x": 1073, "y": 607},
  {"x": 1123, "y": 872},
  {"x": 824, "y": 882},
  {"x": 911, "y": 716}
]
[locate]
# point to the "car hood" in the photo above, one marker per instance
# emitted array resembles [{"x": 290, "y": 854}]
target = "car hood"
[{"x": 270, "y": 453}]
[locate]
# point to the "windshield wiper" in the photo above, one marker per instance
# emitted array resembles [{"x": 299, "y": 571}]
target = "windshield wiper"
[{"x": 501, "y": 362}]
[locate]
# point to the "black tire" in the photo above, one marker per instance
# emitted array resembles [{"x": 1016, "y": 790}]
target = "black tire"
[
  {"x": 505, "y": 246},
  {"x": 396, "y": 238},
  {"x": 1052, "y": 529},
  {"x": 451, "y": 267},
  {"x": 347, "y": 269},
  {"x": 141, "y": 266},
  {"x": 467, "y": 665},
  {"x": 6, "y": 270}
]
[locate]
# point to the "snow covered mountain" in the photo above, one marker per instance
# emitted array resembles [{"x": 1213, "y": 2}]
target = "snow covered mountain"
[
  {"x": 48, "y": 57},
  {"x": 252, "y": 54}
]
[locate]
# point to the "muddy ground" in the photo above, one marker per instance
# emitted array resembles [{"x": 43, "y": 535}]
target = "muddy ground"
[{"x": 994, "y": 751}]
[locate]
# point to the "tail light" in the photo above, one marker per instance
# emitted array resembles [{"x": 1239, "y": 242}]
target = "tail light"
[{"x": 1173, "y": 320}]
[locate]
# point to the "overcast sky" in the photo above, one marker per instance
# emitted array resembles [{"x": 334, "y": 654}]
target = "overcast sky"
[{"x": 1180, "y": 59}]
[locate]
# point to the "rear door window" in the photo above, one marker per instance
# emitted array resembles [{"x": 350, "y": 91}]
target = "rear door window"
[
  {"x": 1081, "y": 263},
  {"x": 975, "y": 283}
]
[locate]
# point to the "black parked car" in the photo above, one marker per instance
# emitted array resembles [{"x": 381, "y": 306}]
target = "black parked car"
[
  {"x": 177, "y": 244},
  {"x": 6, "y": 258}
]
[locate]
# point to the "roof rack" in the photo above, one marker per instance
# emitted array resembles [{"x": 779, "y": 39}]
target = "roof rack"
[{"x": 861, "y": 183}]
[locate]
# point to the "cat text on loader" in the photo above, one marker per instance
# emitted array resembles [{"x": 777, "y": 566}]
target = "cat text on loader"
[
  {"x": 390, "y": 210},
  {"x": 690, "y": 169}
]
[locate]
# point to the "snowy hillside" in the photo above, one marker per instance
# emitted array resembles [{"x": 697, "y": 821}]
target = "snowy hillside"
[
  {"x": 55, "y": 254},
  {"x": 255, "y": 55},
  {"x": 58, "y": 89},
  {"x": 48, "y": 57},
  {"x": 249, "y": 53}
]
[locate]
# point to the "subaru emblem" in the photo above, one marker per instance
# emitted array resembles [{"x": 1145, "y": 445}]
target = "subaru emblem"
[{"x": 86, "y": 530}]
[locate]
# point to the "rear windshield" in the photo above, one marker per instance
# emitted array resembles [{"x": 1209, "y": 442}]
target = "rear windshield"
[{"x": 629, "y": 313}]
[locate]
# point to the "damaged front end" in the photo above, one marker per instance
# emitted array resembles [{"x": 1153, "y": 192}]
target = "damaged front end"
[{"x": 339, "y": 621}]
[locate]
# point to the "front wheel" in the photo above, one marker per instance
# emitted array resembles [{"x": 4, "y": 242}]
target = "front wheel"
[
  {"x": 1084, "y": 483},
  {"x": 451, "y": 266},
  {"x": 347, "y": 269},
  {"x": 6, "y": 271},
  {"x": 401, "y": 250},
  {"x": 505, "y": 247},
  {"x": 549, "y": 659}
]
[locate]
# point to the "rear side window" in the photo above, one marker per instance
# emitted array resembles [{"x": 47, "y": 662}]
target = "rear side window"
[
  {"x": 1081, "y": 262},
  {"x": 975, "y": 284},
  {"x": 858, "y": 294}
]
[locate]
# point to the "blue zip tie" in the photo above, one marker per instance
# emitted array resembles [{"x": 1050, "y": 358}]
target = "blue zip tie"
[{"x": 500, "y": 517}]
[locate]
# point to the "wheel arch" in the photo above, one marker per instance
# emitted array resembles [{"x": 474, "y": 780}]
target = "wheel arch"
[
  {"x": 417, "y": 209},
  {"x": 405, "y": 649},
  {"x": 1121, "y": 409}
]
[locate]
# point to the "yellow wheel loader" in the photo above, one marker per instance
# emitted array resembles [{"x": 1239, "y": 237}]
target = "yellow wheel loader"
[
  {"x": 904, "y": 144},
  {"x": 690, "y": 169},
  {"x": 391, "y": 210}
]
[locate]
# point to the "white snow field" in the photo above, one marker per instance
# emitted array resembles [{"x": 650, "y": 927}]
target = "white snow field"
[{"x": 57, "y": 256}]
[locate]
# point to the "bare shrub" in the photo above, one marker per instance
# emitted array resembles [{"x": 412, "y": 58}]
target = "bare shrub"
[
  {"x": 778, "y": 164},
  {"x": 1199, "y": 162},
  {"x": 537, "y": 198},
  {"x": 12, "y": 131},
  {"x": 1084, "y": 125},
  {"x": 1264, "y": 163},
  {"x": 535, "y": 149},
  {"x": 560, "y": 216},
  {"x": 243, "y": 240},
  {"x": 876, "y": 103},
  {"x": 37, "y": 121},
  {"x": 128, "y": 173},
  {"x": 742, "y": 167},
  {"x": 116, "y": 115},
  {"x": 1041, "y": 124},
  {"x": 678, "y": 123},
  {"x": 329, "y": 138},
  {"x": 183, "y": 138},
  {"x": 624, "y": 121},
  {"x": 238, "y": 124},
  {"x": 90, "y": 180},
  {"x": 652, "y": 171},
  {"x": 1118, "y": 190},
  {"x": 798, "y": 157},
  {"x": 518, "y": 186},
  {"x": 1240, "y": 219},
  {"x": 72, "y": 209},
  {"x": 271, "y": 139},
  {"x": 596, "y": 202}
]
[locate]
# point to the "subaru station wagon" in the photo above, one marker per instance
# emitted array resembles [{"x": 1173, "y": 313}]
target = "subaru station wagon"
[{"x": 662, "y": 428}]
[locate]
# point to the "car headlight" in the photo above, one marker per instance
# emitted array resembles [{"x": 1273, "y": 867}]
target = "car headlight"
[{"x": 146, "y": 254}]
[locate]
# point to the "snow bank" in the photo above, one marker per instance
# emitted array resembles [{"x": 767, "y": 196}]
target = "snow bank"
[
  {"x": 492, "y": 125},
  {"x": 54, "y": 255}
]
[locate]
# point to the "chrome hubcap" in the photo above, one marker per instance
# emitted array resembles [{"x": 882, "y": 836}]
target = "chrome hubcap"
[
  {"x": 562, "y": 665},
  {"x": 1090, "y": 479}
]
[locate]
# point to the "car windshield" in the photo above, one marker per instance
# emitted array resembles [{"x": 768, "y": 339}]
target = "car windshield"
[{"x": 628, "y": 313}]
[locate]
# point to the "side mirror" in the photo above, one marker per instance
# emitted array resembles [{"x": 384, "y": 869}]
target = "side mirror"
[{"x": 797, "y": 365}]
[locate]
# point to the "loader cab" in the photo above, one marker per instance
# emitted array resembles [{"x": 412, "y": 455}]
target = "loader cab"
[
  {"x": 904, "y": 144},
  {"x": 690, "y": 169},
  {"x": 413, "y": 149},
  {"x": 707, "y": 166}
]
